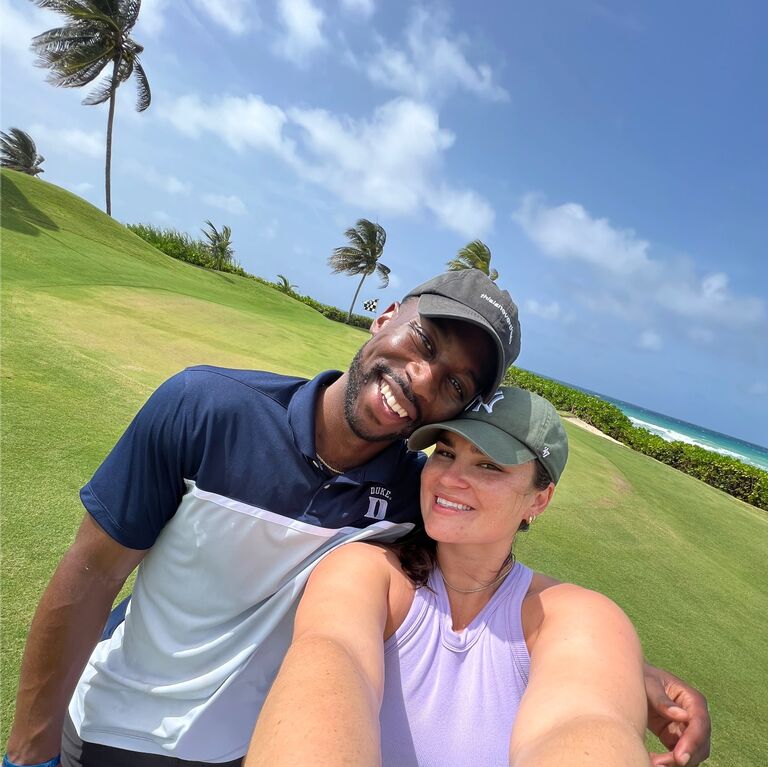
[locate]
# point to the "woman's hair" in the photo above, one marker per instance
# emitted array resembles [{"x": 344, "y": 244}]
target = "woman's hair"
[{"x": 417, "y": 552}]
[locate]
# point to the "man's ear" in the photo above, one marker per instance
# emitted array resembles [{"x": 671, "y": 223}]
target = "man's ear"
[{"x": 390, "y": 312}]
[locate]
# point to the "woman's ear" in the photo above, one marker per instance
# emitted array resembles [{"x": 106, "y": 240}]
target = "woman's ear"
[
  {"x": 541, "y": 499},
  {"x": 390, "y": 312}
]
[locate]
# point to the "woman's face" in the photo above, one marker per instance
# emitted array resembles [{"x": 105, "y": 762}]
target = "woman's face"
[{"x": 468, "y": 498}]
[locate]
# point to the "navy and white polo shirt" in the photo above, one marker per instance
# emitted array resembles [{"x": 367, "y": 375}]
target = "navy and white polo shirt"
[{"x": 217, "y": 476}]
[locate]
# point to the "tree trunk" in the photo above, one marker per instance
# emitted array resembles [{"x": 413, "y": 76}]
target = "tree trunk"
[
  {"x": 110, "y": 121},
  {"x": 360, "y": 285}
]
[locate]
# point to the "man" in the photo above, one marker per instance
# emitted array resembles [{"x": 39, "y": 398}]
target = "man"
[{"x": 227, "y": 488}]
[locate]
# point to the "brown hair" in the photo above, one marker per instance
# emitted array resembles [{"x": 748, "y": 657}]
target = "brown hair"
[{"x": 417, "y": 552}]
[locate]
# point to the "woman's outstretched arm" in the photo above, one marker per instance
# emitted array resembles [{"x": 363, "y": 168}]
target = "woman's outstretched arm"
[
  {"x": 585, "y": 702},
  {"x": 323, "y": 708}
]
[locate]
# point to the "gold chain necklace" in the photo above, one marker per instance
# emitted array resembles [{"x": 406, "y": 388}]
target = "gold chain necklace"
[
  {"x": 327, "y": 465},
  {"x": 500, "y": 577}
]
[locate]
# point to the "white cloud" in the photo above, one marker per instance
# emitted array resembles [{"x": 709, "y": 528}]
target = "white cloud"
[
  {"x": 708, "y": 298},
  {"x": 549, "y": 311},
  {"x": 407, "y": 142},
  {"x": 569, "y": 232},
  {"x": 234, "y": 16},
  {"x": 364, "y": 8},
  {"x": 649, "y": 340},
  {"x": 431, "y": 63},
  {"x": 168, "y": 183},
  {"x": 19, "y": 27},
  {"x": 231, "y": 15},
  {"x": 301, "y": 33},
  {"x": 83, "y": 186},
  {"x": 242, "y": 122},
  {"x": 88, "y": 143},
  {"x": 388, "y": 163},
  {"x": 625, "y": 279},
  {"x": 152, "y": 17},
  {"x": 230, "y": 203},
  {"x": 462, "y": 210},
  {"x": 161, "y": 216}
]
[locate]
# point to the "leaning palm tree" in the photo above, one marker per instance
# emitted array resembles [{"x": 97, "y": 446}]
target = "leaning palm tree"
[
  {"x": 95, "y": 36},
  {"x": 18, "y": 152},
  {"x": 219, "y": 245},
  {"x": 284, "y": 284},
  {"x": 361, "y": 256},
  {"x": 474, "y": 255}
]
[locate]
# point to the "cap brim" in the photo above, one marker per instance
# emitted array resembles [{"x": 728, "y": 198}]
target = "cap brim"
[
  {"x": 496, "y": 443},
  {"x": 433, "y": 305}
]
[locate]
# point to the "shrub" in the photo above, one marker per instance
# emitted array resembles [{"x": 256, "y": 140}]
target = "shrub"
[
  {"x": 183, "y": 247},
  {"x": 734, "y": 477}
]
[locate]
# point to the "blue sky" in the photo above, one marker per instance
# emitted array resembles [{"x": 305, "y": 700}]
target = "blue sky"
[{"x": 611, "y": 154}]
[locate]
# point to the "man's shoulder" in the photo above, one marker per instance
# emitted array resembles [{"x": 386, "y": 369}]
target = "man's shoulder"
[{"x": 225, "y": 388}]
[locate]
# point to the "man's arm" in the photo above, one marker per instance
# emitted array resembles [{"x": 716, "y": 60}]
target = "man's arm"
[
  {"x": 678, "y": 716},
  {"x": 584, "y": 704},
  {"x": 323, "y": 708},
  {"x": 66, "y": 627}
]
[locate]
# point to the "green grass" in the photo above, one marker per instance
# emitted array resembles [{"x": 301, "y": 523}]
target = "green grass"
[{"x": 93, "y": 319}]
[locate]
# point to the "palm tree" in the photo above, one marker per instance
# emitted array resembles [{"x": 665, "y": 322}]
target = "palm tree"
[
  {"x": 284, "y": 284},
  {"x": 18, "y": 152},
  {"x": 95, "y": 36},
  {"x": 219, "y": 245},
  {"x": 474, "y": 255},
  {"x": 361, "y": 256}
]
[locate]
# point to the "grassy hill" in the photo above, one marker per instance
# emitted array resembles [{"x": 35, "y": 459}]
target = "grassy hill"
[{"x": 93, "y": 319}]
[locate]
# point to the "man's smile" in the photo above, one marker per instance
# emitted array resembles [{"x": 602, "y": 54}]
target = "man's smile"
[{"x": 397, "y": 406}]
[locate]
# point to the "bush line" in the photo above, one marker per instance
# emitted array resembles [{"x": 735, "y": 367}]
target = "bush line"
[
  {"x": 184, "y": 248},
  {"x": 741, "y": 480}
]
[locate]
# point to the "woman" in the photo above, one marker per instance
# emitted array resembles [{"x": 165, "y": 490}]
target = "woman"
[{"x": 448, "y": 652}]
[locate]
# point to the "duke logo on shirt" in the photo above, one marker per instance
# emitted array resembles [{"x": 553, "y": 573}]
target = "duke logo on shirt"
[{"x": 378, "y": 502}]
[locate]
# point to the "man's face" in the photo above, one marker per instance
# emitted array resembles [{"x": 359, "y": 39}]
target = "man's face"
[{"x": 415, "y": 371}]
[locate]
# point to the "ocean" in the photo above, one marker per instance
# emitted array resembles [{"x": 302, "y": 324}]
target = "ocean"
[{"x": 673, "y": 429}]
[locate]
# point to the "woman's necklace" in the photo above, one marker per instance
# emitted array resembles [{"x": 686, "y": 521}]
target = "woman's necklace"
[
  {"x": 327, "y": 465},
  {"x": 500, "y": 577}
]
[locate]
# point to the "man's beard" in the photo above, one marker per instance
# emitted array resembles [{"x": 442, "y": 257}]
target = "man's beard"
[{"x": 357, "y": 379}]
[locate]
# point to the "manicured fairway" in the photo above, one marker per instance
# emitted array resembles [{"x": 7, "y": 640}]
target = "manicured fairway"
[{"x": 93, "y": 319}]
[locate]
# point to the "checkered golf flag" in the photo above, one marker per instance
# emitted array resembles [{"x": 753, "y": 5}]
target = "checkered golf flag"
[{"x": 370, "y": 306}]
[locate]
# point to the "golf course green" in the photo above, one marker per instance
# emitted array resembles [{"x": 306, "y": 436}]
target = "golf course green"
[{"x": 93, "y": 319}]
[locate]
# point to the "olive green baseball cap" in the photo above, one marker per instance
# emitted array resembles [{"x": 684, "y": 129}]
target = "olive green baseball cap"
[{"x": 512, "y": 427}]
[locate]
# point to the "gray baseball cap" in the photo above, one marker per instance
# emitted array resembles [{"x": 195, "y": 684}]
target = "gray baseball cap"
[
  {"x": 470, "y": 295},
  {"x": 513, "y": 427}
]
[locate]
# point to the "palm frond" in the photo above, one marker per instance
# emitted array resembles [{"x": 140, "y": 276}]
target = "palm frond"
[
  {"x": 474, "y": 255},
  {"x": 19, "y": 152},
  {"x": 100, "y": 93},
  {"x": 383, "y": 272},
  {"x": 144, "y": 97}
]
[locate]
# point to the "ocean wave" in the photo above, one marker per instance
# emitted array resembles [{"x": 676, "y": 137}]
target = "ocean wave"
[{"x": 670, "y": 435}]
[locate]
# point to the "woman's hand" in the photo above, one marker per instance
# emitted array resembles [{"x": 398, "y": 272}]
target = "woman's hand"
[{"x": 678, "y": 716}]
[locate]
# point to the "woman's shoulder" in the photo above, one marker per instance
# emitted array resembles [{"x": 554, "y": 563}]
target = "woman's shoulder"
[
  {"x": 550, "y": 601},
  {"x": 359, "y": 554},
  {"x": 366, "y": 569}
]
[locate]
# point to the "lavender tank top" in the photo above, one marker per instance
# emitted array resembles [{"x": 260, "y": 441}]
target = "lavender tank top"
[{"x": 450, "y": 698}]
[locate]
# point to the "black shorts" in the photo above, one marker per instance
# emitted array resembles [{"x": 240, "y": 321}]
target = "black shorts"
[{"x": 78, "y": 753}]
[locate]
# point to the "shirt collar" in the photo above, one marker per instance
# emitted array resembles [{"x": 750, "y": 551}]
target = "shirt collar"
[
  {"x": 301, "y": 411},
  {"x": 301, "y": 417}
]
